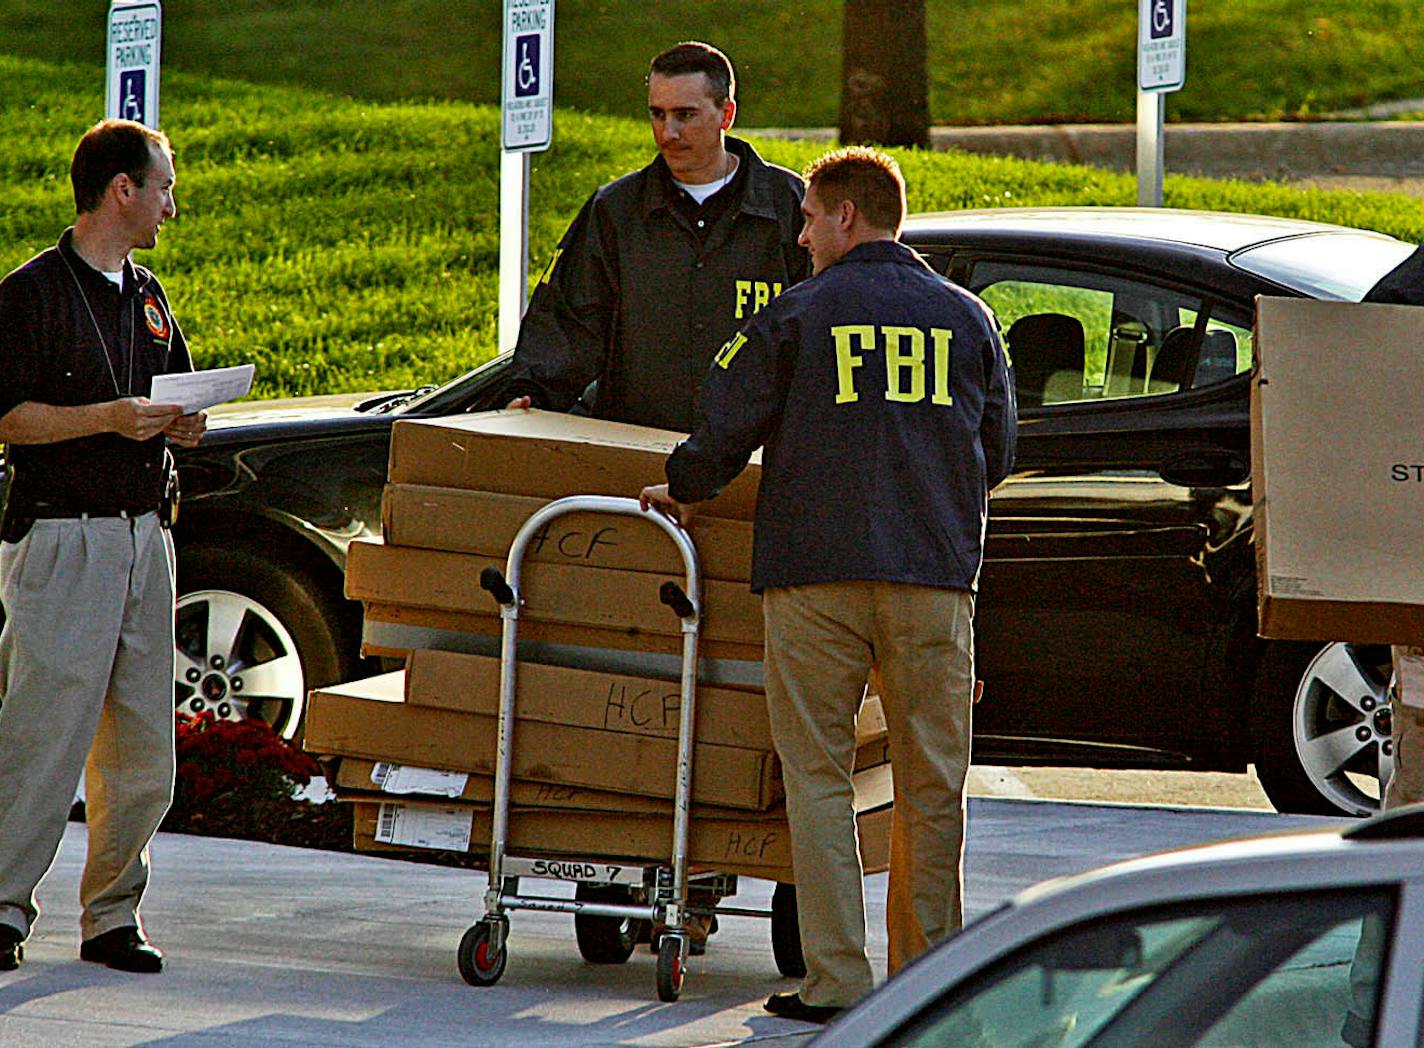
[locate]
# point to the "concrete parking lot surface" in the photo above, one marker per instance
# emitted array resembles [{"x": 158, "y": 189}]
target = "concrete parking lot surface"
[{"x": 282, "y": 946}]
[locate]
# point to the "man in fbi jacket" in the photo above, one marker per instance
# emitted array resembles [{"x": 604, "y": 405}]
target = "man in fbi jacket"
[{"x": 884, "y": 401}]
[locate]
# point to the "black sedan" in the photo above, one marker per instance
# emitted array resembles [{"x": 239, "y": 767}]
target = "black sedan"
[{"x": 1117, "y": 623}]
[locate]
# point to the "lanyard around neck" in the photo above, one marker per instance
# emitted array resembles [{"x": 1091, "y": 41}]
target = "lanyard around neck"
[{"x": 103, "y": 342}]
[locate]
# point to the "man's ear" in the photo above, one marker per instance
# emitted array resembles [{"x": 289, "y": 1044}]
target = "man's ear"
[
  {"x": 846, "y": 213},
  {"x": 729, "y": 114}
]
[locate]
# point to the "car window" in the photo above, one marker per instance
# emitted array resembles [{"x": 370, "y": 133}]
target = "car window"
[
  {"x": 1081, "y": 336},
  {"x": 1290, "y": 970},
  {"x": 1226, "y": 350}
]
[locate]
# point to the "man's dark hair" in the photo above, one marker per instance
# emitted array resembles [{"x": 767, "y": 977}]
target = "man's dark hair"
[
  {"x": 109, "y": 148},
  {"x": 867, "y": 177},
  {"x": 693, "y": 56}
]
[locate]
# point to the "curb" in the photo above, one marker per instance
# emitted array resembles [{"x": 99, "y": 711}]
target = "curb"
[{"x": 1382, "y": 149}]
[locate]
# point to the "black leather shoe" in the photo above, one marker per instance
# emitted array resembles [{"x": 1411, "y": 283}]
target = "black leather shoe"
[
  {"x": 123, "y": 949},
  {"x": 12, "y": 948},
  {"x": 790, "y": 1006}
]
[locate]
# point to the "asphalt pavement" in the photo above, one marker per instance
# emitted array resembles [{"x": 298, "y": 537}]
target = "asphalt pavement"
[{"x": 276, "y": 946}]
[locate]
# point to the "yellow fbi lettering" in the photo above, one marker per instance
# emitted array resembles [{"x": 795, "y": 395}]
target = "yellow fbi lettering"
[
  {"x": 909, "y": 369},
  {"x": 754, "y": 293}
]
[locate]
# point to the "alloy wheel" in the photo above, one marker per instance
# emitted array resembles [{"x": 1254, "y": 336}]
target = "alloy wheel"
[
  {"x": 1342, "y": 725},
  {"x": 237, "y": 659}
]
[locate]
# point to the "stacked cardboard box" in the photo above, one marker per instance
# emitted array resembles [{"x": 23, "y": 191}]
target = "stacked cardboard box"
[
  {"x": 594, "y": 756},
  {"x": 1338, "y": 504},
  {"x": 597, "y": 699}
]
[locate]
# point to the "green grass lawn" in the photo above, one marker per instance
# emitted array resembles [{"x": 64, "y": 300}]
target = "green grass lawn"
[
  {"x": 348, "y": 245},
  {"x": 992, "y": 61}
]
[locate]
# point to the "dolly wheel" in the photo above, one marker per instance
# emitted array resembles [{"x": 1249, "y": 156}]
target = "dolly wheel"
[
  {"x": 786, "y": 933},
  {"x": 672, "y": 953},
  {"x": 482, "y": 953},
  {"x": 606, "y": 940}
]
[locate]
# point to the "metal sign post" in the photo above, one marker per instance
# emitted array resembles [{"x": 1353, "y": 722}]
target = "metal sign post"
[
  {"x": 527, "y": 123},
  {"x": 133, "y": 46},
  {"x": 1161, "y": 67}
]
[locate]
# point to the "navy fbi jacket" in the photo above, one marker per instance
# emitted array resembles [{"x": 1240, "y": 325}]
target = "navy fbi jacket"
[
  {"x": 884, "y": 401},
  {"x": 646, "y": 285}
]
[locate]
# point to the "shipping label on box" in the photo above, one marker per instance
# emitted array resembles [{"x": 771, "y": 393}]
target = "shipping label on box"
[{"x": 1338, "y": 471}]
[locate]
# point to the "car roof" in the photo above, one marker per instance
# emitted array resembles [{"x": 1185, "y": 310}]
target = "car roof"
[
  {"x": 1334, "y": 856},
  {"x": 1219, "y": 230}
]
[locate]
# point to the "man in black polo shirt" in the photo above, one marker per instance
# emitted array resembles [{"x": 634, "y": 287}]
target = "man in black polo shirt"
[
  {"x": 884, "y": 403},
  {"x": 662, "y": 265},
  {"x": 86, "y": 563}
]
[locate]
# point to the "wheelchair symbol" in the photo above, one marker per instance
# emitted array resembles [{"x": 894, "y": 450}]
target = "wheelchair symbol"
[
  {"x": 526, "y": 70},
  {"x": 1161, "y": 18}
]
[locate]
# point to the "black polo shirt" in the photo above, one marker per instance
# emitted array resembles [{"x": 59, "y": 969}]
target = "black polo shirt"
[{"x": 69, "y": 336}]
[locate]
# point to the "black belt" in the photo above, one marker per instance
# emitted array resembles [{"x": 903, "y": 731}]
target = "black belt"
[{"x": 43, "y": 512}]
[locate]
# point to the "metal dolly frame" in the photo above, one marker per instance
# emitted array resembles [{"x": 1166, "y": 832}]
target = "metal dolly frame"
[{"x": 482, "y": 953}]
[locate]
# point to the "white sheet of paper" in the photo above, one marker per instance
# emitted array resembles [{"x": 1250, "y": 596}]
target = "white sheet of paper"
[
  {"x": 445, "y": 828},
  {"x": 197, "y": 390}
]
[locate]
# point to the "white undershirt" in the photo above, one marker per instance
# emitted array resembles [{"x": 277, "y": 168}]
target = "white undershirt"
[
  {"x": 702, "y": 190},
  {"x": 117, "y": 278}
]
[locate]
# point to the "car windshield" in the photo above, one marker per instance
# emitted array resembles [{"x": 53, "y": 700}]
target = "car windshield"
[
  {"x": 1329, "y": 265},
  {"x": 1275, "y": 972}
]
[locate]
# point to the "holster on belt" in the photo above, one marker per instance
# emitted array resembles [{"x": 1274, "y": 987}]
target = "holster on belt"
[{"x": 18, "y": 518}]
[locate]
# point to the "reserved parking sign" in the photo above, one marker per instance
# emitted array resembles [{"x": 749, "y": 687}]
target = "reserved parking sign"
[
  {"x": 528, "y": 85},
  {"x": 1161, "y": 45},
  {"x": 133, "y": 49}
]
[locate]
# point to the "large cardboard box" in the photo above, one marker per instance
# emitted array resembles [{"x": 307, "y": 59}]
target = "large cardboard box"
[
  {"x": 547, "y": 455},
  {"x": 486, "y": 523},
  {"x": 601, "y": 598},
  {"x": 586, "y": 698},
  {"x": 1338, "y": 471},
  {"x": 396, "y": 630},
  {"x": 756, "y": 844},
  {"x": 365, "y": 721}
]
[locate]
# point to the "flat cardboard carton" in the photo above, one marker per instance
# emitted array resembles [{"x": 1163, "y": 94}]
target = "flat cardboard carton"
[
  {"x": 1338, "y": 471},
  {"x": 372, "y": 726},
  {"x": 754, "y": 844},
  {"x": 486, "y": 523},
  {"x": 396, "y": 630},
  {"x": 601, "y": 598},
  {"x": 586, "y": 698},
  {"x": 354, "y": 781},
  {"x": 543, "y": 454}
]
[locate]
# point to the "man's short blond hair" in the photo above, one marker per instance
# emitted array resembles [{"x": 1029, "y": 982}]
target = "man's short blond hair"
[{"x": 867, "y": 177}]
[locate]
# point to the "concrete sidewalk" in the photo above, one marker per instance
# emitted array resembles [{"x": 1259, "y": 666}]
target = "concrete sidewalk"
[
  {"x": 1392, "y": 149},
  {"x": 274, "y": 946}
]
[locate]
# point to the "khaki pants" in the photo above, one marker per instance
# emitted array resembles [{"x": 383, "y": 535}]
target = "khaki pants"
[
  {"x": 1406, "y": 783},
  {"x": 821, "y": 643},
  {"x": 86, "y": 670}
]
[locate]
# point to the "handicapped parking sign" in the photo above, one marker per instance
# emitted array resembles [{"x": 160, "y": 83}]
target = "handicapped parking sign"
[
  {"x": 1161, "y": 45},
  {"x": 527, "y": 95}
]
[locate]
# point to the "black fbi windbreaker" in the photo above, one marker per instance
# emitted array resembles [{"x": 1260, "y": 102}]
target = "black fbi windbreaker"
[
  {"x": 884, "y": 401},
  {"x": 51, "y": 354},
  {"x": 639, "y": 299}
]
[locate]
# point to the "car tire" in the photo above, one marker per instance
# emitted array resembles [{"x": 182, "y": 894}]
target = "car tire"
[
  {"x": 1322, "y": 727},
  {"x": 254, "y": 635}
]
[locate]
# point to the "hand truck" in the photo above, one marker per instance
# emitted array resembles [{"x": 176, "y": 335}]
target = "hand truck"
[{"x": 605, "y": 922}]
